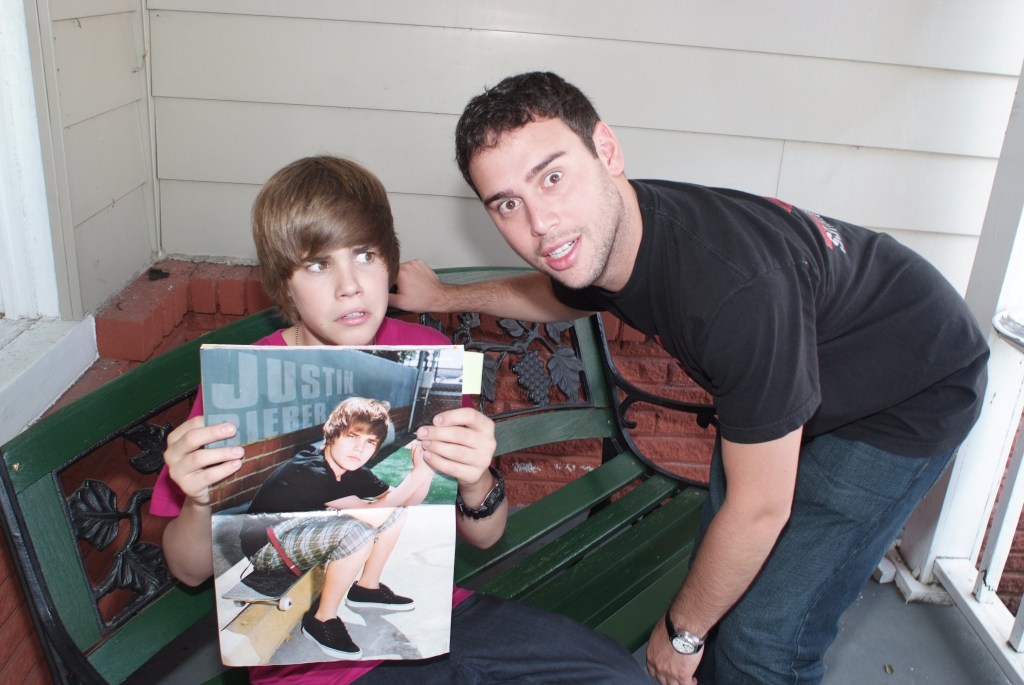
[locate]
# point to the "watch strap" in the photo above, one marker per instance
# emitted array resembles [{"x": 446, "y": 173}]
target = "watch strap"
[{"x": 490, "y": 504}]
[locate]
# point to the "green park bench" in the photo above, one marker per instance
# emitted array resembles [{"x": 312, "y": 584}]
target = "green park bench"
[{"x": 609, "y": 548}]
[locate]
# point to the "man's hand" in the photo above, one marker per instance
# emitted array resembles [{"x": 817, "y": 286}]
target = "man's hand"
[
  {"x": 665, "y": 664},
  {"x": 418, "y": 289},
  {"x": 191, "y": 466}
]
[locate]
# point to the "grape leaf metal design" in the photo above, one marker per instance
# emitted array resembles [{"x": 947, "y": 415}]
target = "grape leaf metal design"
[
  {"x": 96, "y": 519},
  {"x": 152, "y": 440},
  {"x": 542, "y": 357},
  {"x": 137, "y": 566}
]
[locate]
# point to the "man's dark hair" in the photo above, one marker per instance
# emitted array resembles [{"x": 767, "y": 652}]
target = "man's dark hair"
[{"x": 515, "y": 102}]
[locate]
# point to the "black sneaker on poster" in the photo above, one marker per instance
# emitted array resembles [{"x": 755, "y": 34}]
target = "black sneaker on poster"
[
  {"x": 330, "y": 636},
  {"x": 381, "y": 598}
]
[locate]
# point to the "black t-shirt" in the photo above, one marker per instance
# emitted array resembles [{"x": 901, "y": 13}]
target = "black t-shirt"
[
  {"x": 792, "y": 319},
  {"x": 304, "y": 483}
]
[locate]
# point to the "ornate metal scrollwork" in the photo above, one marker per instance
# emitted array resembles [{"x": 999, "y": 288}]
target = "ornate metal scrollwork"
[
  {"x": 542, "y": 357},
  {"x": 152, "y": 441},
  {"x": 95, "y": 517}
]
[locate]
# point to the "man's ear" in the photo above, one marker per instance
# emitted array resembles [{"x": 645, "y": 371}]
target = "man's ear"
[{"x": 608, "y": 149}]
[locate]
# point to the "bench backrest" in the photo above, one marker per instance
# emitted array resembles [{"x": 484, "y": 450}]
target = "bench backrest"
[{"x": 88, "y": 554}]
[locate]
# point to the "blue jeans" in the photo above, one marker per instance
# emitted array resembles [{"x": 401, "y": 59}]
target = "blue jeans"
[
  {"x": 496, "y": 641},
  {"x": 851, "y": 502}
]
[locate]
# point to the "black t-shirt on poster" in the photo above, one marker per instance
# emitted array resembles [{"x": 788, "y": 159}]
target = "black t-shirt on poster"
[{"x": 304, "y": 483}]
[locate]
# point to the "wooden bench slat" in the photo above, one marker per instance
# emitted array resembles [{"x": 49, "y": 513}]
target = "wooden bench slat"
[
  {"x": 46, "y": 525},
  {"x": 620, "y": 566},
  {"x": 628, "y": 624},
  {"x": 519, "y": 434},
  {"x": 170, "y": 615},
  {"x": 569, "y": 547},
  {"x": 535, "y": 521}
]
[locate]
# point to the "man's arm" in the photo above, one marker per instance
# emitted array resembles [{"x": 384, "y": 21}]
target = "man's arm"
[
  {"x": 761, "y": 481},
  {"x": 527, "y": 297}
]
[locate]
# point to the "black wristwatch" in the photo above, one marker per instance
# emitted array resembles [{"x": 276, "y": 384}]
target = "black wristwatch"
[
  {"x": 490, "y": 503},
  {"x": 682, "y": 641}
]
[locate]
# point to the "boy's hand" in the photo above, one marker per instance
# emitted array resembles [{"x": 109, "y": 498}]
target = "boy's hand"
[
  {"x": 460, "y": 444},
  {"x": 194, "y": 468},
  {"x": 418, "y": 289},
  {"x": 416, "y": 452}
]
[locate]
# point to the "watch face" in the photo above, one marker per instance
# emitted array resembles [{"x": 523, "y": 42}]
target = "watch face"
[{"x": 682, "y": 645}]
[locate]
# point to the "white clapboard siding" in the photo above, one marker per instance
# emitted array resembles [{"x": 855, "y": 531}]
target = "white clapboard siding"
[
  {"x": 890, "y": 189},
  {"x": 113, "y": 246},
  {"x": 93, "y": 87},
  {"x": 427, "y": 69},
  {"x": 241, "y": 142},
  {"x": 98, "y": 65},
  {"x": 953, "y": 34},
  {"x": 106, "y": 159},
  {"x": 77, "y": 9},
  {"x": 749, "y": 164}
]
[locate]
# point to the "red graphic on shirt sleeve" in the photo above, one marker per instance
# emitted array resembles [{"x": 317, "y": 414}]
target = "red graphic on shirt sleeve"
[{"x": 785, "y": 205}]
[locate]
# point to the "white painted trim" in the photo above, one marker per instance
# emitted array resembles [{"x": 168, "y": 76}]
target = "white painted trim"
[
  {"x": 39, "y": 363},
  {"x": 991, "y": 621},
  {"x": 28, "y": 282}
]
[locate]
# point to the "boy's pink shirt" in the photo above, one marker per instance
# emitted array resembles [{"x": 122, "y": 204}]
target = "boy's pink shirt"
[{"x": 167, "y": 500}]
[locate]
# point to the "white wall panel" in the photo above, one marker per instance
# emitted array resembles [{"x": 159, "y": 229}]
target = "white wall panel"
[
  {"x": 892, "y": 189},
  {"x": 98, "y": 65},
  {"x": 76, "y": 9},
  {"x": 112, "y": 248},
  {"x": 106, "y": 160},
  {"x": 207, "y": 219},
  {"x": 237, "y": 142},
  {"x": 750, "y": 164},
  {"x": 449, "y": 232},
  {"x": 680, "y": 88},
  {"x": 982, "y": 35}
]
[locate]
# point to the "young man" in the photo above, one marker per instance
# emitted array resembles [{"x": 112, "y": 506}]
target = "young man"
[
  {"x": 846, "y": 370},
  {"x": 328, "y": 253}
]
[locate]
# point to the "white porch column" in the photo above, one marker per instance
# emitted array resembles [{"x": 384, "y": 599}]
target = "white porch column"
[{"x": 951, "y": 522}]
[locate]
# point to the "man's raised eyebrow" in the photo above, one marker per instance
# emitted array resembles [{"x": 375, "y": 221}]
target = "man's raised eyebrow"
[{"x": 530, "y": 175}]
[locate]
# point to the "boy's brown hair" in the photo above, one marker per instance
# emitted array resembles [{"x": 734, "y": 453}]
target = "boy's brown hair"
[
  {"x": 362, "y": 413},
  {"x": 312, "y": 206}
]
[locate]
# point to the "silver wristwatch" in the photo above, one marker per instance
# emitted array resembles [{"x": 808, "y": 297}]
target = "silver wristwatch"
[{"x": 682, "y": 641}]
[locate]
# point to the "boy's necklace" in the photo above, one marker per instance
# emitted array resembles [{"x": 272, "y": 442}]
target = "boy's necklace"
[{"x": 299, "y": 325}]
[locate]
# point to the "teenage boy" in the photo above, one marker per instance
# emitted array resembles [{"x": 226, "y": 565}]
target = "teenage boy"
[
  {"x": 846, "y": 370},
  {"x": 328, "y": 254}
]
